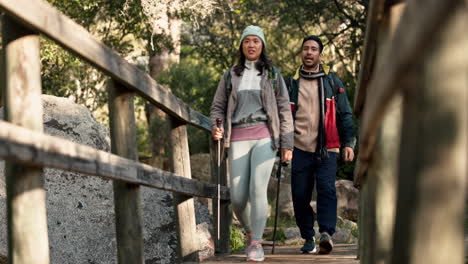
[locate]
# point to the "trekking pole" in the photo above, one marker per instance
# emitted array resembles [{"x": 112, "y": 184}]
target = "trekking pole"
[
  {"x": 219, "y": 121},
  {"x": 278, "y": 177}
]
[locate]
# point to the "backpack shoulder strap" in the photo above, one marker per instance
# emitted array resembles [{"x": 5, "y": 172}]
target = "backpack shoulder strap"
[
  {"x": 274, "y": 76},
  {"x": 331, "y": 77},
  {"x": 228, "y": 82},
  {"x": 293, "y": 92}
]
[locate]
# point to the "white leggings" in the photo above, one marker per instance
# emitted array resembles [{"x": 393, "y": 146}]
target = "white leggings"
[{"x": 251, "y": 163}]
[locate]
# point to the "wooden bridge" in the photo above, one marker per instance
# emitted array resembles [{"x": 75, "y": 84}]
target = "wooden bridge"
[{"x": 412, "y": 103}]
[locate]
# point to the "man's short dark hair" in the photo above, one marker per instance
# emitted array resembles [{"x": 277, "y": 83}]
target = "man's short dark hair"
[{"x": 314, "y": 38}]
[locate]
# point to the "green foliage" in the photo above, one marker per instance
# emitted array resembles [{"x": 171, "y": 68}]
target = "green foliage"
[
  {"x": 236, "y": 239},
  {"x": 144, "y": 149},
  {"x": 116, "y": 23},
  {"x": 345, "y": 170},
  {"x": 280, "y": 236},
  {"x": 65, "y": 75},
  {"x": 355, "y": 231},
  {"x": 283, "y": 221},
  {"x": 195, "y": 85}
]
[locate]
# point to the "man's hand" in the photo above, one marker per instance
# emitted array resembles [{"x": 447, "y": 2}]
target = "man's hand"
[
  {"x": 217, "y": 133},
  {"x": 348, "y": 154},
  {"x": 286, "y": 155}
]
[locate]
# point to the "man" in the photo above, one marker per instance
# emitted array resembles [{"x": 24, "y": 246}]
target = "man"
[{"x": 323, "y": 123}]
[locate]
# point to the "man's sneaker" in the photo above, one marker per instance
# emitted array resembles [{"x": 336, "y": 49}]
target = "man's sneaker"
[
  {"x": 309, "y": 246},
  {"x": 255, "y": 251},
  {"x": 325, "y": 244}
]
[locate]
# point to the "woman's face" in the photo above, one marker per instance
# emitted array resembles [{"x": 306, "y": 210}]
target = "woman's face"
[{"x": 252, "y": 47}]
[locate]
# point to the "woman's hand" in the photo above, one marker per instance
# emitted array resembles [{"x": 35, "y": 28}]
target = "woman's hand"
[
  {"x": 217, "y": 133},
  {"x": 286, "y": 155}
]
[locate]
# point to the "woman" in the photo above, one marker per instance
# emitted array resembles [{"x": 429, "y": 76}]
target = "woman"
[{"x": 253, "y": 104}]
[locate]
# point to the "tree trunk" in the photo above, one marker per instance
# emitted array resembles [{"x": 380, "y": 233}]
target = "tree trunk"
[{"x": 157, "y": 119}]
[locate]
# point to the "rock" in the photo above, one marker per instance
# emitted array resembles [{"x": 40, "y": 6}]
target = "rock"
[
  {"x": 206, "y": 241},
  {"x": 347, "y": 196},
  {"x": 341, "y": 236},
  {"x": 292, "y": 232},
  {"x": 348, "y": 200},
  {"x": 285, "y": 206},
  {"x": 80, "y": 208},
  {"x": 349, "y": 225},
  {"x": 293, "y": 236}
]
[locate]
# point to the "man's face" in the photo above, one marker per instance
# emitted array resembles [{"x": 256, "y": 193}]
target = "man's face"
[
  {"x": 311, "y": 54},
  {"x": 252, "y": 47}
]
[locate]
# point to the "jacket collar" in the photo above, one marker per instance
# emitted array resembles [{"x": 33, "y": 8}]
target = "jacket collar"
[{"x": 326, "y": 70}]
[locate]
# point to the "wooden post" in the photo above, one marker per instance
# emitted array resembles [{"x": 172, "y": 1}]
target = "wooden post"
[
  {"x": 128, "y": 212},
  {"x": 362, "y": 223},
  {"x": 433, "y": 161},
  {"x": 26, "y": 197},
  {"x": 222, "y": 246},
  {"x": 183, "y": 205},
  {"x": 381, "y": 184},
  {"x": 382, "y": 187}
]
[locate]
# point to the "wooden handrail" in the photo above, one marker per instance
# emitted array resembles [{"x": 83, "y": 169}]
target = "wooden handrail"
[
  {"x": 42, "y": 17},
  {"x": 368, "y": 53},
  {"x": 419, "y": 22},
  {"x": 34, "y": 148}
]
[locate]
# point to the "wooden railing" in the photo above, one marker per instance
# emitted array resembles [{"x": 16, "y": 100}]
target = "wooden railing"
[
  {"x": 412, "y": 100},
  {"x": 26, "y": 149}
]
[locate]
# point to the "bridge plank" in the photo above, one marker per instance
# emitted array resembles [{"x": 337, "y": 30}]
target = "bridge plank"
[
  {"x": 34, "y": 148},
  {"x": 341, "y": 254},
  {"x": 44, "y": 18}
]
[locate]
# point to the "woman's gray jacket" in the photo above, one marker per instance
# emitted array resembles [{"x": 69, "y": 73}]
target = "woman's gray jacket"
[{"x": 275, "y": 103}]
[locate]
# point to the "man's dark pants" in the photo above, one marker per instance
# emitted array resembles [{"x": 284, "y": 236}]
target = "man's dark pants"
[{"x": 306, "y": 169}]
